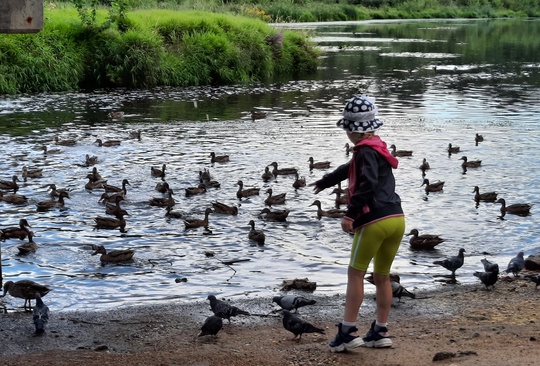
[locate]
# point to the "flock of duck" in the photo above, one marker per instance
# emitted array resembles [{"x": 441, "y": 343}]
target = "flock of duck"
[{"x": 114, "y": 213}]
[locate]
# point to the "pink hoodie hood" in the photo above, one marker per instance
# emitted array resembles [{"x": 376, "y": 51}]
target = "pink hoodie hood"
[{"x": 379, "y": 145}]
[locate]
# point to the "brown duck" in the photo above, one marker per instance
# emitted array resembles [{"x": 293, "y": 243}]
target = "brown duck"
[
  {"x": 94, "y": 175},
  {"x": 276, "y": 215},
  {"x": 278, "y": 199},
  {"x": 256, "y": 235},
  {"x": 114, "y": 209},
  {"x": 66, "y": 142},
  {"x": 25, "y": 289},
  {"x": 90, "y": 160},
  {"x": 432, "y": 187},
  {"x": 31, "y": 173},
  {"x": 91, "y": 185},
  {"x": 299, "y": 182},
  {"x": 46, "y": 151},
  {"x": 327, "y": 213},
  {"x": 453, "y": 149},
  {"x": 424, "y": 241},
  {"x": 478, "y": 138},
  {"x": 16, "y": 199},
  {"x": 114, "y": 189},
  {"x": 486, "y": 196},
  {"x": 399, "y": 153},
  {"x": 470, "y": 163},
  {"x": 424, "y": 166},
  {"x": 218, "y": 158},
  {"x": 520, "y": 209},
  {"x": 28, "y": 247},
  {"x": 46, "y": 205},
  {"x": 114, "y": 256},
  {"x": 222, "y": 208},
  {"x": 16, "y": 232},
  {"x": 158, "y": 173},
  {"x": 173, "y": 214},
  {"x": 162, "y": 187},
  {"x": 242, "y": 193},
  {"x": 195, "y": 223},
  {"x": 267, "y": 175},
  {"x": 348, "y": 148},
  {"x": 55, "y": 192},
  {"x": 340, "y": 199},
  {"x": 9, "y": 185},
  {"x": 193, "y": 191},
  {"x": 112, "y": 223},
  {"x": 283, "y": 171},
  {"x": 318, "y": 164},
  {"x": 258, "y": 115},
  {"x": 163, "y": 201},
  {"x": 107, "y": 143},
  {"x": 110, "y": 198}
]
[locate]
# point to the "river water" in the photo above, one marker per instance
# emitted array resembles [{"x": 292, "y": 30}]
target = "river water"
[{"x": 436, "y": 83}]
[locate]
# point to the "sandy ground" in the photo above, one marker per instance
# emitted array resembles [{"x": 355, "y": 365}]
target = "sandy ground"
[{"x": 467, "y": 324}]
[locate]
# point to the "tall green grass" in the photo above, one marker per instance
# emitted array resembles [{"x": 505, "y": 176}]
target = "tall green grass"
[{"x": 159, "y": 47}]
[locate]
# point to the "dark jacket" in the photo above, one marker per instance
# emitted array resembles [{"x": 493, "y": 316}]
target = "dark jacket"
[{"x": 372, "y": 182}]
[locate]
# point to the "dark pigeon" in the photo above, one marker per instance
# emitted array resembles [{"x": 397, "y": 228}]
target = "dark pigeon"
[
  {"x": 535, "y": 279},
  {"x": 211, "y": 326},
  {"x": 489, "y": 266},
  {"x": 224, "y": 310},
  {"x": 516, "y": 264},
  {"x": 290, "y": 302},
  {"x": 488, "y": 278},
  {"x": 452, "y": 263},
  {"x": 297, "y": 326},
  {"x": 40, "y": 315}
]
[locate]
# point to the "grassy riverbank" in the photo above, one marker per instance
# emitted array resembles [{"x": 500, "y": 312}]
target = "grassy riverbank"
[
  {"x": 148, "y": 48},
  {"x": 336, "y": 10}
]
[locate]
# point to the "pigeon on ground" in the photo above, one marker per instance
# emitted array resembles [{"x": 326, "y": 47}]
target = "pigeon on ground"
[
  {"x": 224, "y": 310},
  {"x": 535, "y": 279},
  {"x": 40, "y": 315},
  {"x": 489, "y": 266},
  {"x": 516, "y": 264},
  {"x": 290, "y": 302},
  {"x": 397, "y": 289},
  {"x": 488, "y": 278},
  {"x": 211, "y": 326},
  {"x": 297, "y": 326},
  {"x": 452, "y": 263}
]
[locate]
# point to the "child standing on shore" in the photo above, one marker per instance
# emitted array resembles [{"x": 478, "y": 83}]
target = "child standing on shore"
[{"x": 375, "y": 216}]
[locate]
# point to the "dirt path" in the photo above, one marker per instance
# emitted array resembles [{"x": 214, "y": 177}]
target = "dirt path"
[{"x": 469, "y": 325}]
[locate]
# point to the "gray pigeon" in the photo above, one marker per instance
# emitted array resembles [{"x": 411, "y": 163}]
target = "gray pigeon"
[
  {"x": 224, "y": 310},
  {"x": 516, "y": 264},
  {"x": 40, "y": 315},
  {"x": 211, "y": 326},
  {"x": 452, "y": 263},
  {"x": 489, "y": 266},
  {"x": 488, "y": 278},
  {"x": 290, "y": 302},
  {"x": 297, "y": 326},
  {"x": 400, "y": 291}
]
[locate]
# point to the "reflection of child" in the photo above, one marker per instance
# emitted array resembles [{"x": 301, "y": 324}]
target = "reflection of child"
[{"x": 375, "y": 216}]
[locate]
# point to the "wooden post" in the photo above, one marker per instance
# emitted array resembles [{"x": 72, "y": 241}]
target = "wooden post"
[{"x": 21, "y": 16}]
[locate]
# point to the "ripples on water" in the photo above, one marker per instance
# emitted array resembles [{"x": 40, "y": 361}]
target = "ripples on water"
[{"x": 180, "y": 127}]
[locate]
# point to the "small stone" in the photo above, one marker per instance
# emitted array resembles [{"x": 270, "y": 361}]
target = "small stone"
[
  {"x": 440, "y": 356},
  {"x": 101, "y": 348},
  {"x": 180, "y": 279},
  {"x": 532, "y": 339}
]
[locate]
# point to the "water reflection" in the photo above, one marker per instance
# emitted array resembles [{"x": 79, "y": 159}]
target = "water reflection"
[{"x": 435, "y": 84}]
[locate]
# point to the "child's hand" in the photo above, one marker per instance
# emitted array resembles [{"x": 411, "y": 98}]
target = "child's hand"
[
  {"x": 347, "y": 225},
  {"x": 316, "y": 189}
]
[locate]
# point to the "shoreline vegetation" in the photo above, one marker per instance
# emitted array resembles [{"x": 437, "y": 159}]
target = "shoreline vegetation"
[{"x": 93, "y": 44}]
